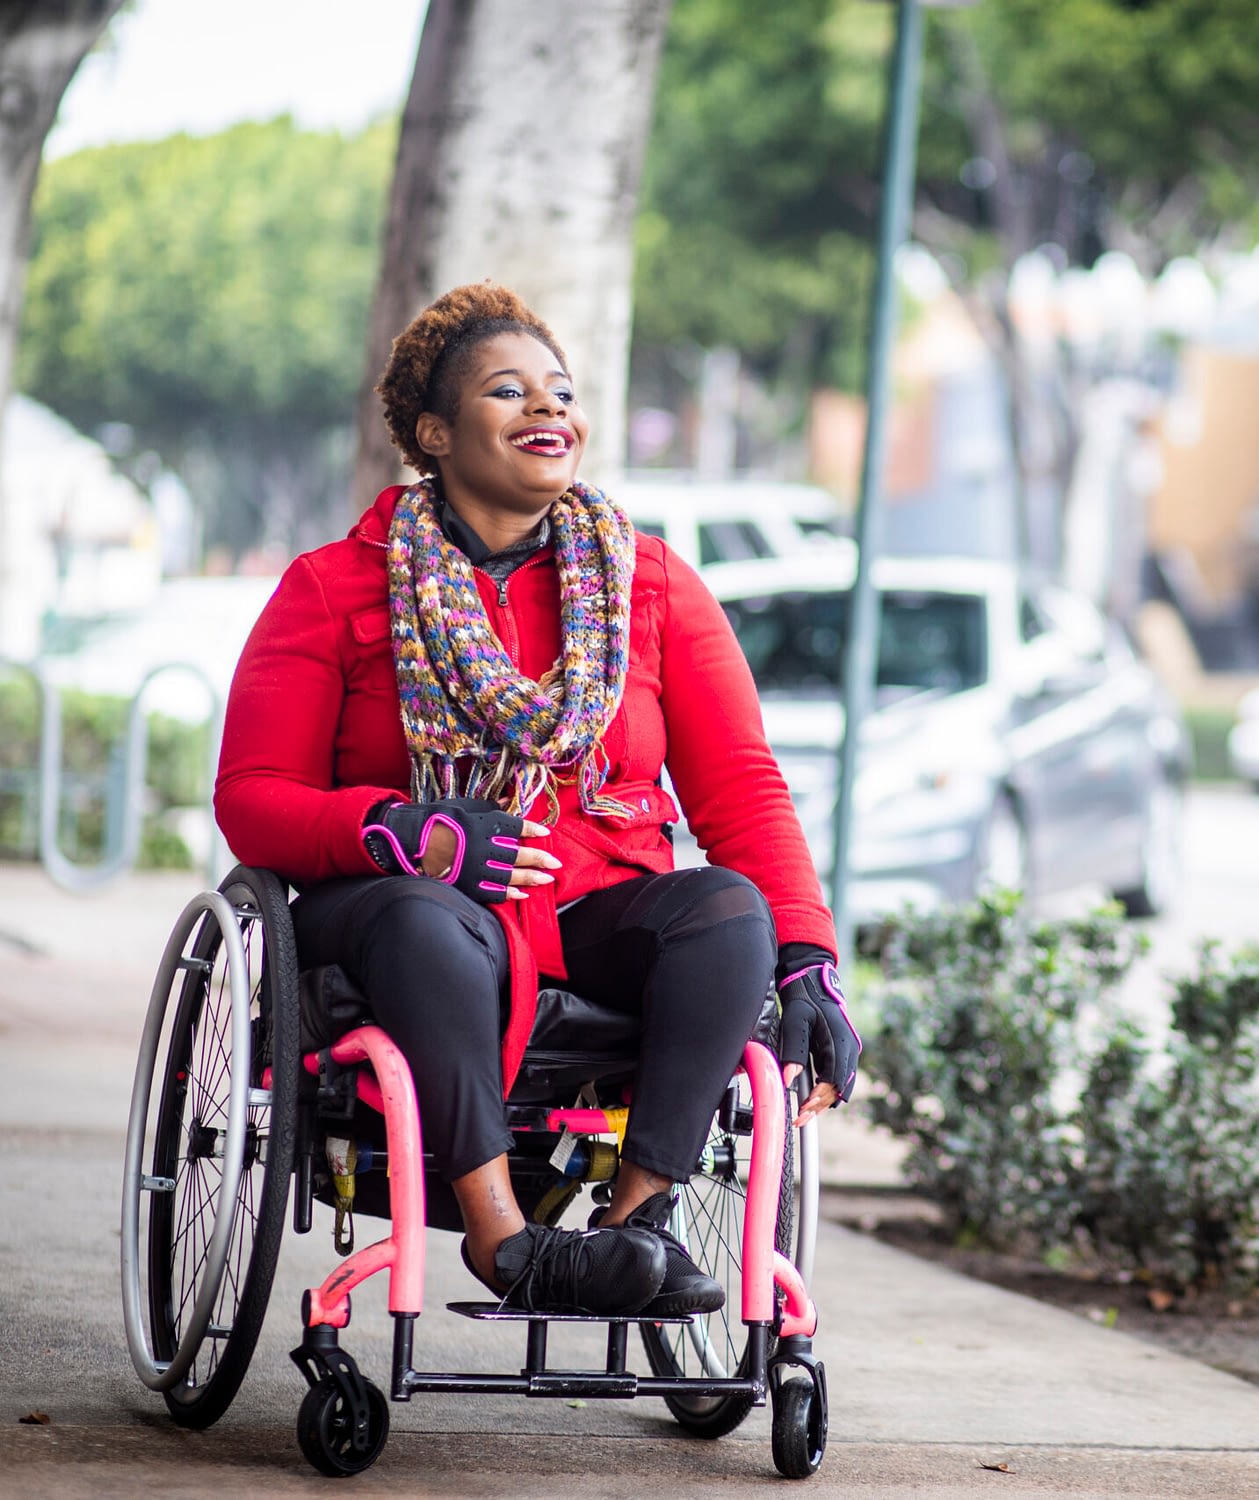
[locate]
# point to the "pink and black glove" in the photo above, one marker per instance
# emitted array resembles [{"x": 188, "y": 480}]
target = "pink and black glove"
[
  {"x": 487, "y": 840},
  {"x": 815, "y": 1021}
]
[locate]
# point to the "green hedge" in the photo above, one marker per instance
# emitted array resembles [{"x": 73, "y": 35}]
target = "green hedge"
[{"x": 1041, "y": 1117}]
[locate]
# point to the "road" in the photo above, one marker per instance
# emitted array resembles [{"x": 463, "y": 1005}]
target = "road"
[{"x": 914, "y": 1409}]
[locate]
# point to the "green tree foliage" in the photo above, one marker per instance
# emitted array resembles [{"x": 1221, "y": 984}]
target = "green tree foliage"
[
  {"x": 1161, "y": 96},
  {"x": 1092, "y": 123},
  {"x": 759, "y": 184},
  {"x": 212, "y": 293}
]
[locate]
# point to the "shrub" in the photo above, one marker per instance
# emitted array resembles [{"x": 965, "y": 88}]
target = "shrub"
[
  {"x": 1039, "y": 1117},
  {"x": 978, "y": 1030},
  {"x": 1171, "y": 1145}
]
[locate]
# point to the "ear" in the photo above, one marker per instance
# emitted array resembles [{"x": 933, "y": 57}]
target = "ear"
[{"x": 433, "y": 434}]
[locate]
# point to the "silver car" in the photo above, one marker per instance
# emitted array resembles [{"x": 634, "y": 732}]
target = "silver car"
[{"x": 1016, "y": 738}]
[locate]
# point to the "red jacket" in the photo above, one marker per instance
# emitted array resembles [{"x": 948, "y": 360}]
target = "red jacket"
[{"x": 313, "y": 738}]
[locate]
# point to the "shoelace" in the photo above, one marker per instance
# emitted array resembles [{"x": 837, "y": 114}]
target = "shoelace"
[{"x": 559, "y": 1253}]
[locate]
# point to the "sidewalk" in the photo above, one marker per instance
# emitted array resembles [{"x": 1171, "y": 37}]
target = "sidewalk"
[{"x": 932, "y": 1376}]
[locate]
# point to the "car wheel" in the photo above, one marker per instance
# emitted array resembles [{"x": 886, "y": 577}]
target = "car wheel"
[
  {"x": 1161, "y": 861},
  {"x": 1004, "y": 861}
]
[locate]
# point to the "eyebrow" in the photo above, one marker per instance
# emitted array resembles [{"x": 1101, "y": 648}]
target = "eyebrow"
[{"x": 498, "y": 374}]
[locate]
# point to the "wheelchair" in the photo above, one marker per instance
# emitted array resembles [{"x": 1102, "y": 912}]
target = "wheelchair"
[{"x": 256, "y": 1085}]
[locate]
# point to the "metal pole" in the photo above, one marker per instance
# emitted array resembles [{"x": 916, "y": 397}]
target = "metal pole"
[{"x": 861, "y": 648}]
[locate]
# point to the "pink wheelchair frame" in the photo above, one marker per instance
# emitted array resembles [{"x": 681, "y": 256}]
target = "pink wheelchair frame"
[{"x": 225, "y": 1116}]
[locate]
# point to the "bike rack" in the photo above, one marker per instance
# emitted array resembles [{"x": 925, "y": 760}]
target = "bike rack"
[{"x": 124, "y": 793}]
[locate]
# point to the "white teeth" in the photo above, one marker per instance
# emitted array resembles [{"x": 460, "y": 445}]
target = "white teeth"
[{"x": 533, "y": 439}]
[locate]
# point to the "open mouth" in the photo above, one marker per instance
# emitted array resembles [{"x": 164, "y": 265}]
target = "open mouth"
[{"x": 549, "y": 441}]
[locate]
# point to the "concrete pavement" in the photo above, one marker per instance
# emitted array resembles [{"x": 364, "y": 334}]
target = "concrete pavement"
[{"x": 936, "y": 1380}]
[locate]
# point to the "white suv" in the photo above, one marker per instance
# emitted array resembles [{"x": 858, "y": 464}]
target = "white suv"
[{"x": 731, "y": 520}]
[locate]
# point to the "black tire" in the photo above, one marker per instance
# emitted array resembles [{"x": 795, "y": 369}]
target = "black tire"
[
  {"x": 1161, "y": 854},
  {"x": 798, "y": 1433},
  {"x": 709, "y": 1222},
  {"x": 325, "y": 1429},
  {"x": 190, "y": 1118}
]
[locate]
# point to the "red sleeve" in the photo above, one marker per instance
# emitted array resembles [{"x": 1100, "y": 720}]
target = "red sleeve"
[
  {"x": 274, "y": 797},
  {"x": 731, "y": 790}
]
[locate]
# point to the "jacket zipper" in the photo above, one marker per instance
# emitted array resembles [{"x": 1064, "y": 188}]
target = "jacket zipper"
[{"x": 500, "y": 584}]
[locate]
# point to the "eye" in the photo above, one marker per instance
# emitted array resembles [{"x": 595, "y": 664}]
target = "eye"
[
  {"x": 565, "y": 394},
  {"x": 510, "y": 391}
]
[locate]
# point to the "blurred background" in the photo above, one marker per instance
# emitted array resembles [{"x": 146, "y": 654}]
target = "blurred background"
[{"x": 227, "y": 205}]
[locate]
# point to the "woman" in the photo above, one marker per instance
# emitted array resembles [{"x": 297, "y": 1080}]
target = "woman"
[{"x": 448, "y": 731}]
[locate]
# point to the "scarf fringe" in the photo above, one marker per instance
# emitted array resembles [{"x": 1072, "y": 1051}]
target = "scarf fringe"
[{"x": 467, "y": 713}]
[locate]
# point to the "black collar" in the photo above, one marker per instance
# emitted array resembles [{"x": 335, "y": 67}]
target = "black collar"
[{"x": 457, "y": 530}]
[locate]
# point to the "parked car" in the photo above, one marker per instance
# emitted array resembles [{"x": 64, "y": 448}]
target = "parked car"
[
  {"x": 730, "y": 521},
  {"x": 1243, "y": 740},
  {"x": 1015, "y": 737}
]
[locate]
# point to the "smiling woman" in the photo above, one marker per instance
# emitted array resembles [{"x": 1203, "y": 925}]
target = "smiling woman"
[{"x": 449, "y": 730}]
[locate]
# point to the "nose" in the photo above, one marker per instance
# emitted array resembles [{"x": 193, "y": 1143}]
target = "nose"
[{"x": 546, "y": 402}]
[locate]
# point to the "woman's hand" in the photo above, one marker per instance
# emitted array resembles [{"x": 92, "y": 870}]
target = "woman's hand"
[
  {"x": 815, "y": 1023},
  {"x": 532, "y": 866},
  {"x": 467, "y": 842}
]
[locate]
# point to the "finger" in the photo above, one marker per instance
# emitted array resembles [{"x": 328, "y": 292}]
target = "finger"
[
  {"x": 818, "y": 1102},
  {"x": 534, "y": 830},
  {"x": 791, "y": 1071},
  {"x": 536, "y": 859},
  {"x": 522, "y": 875},
  {"x": 515, "y": 895}
]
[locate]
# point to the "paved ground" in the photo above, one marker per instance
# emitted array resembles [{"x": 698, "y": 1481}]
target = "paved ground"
[{"x": 936, "y": 1381}]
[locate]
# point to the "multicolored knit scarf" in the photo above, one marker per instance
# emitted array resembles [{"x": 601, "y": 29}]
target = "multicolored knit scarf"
[{"x": 475, "y": 726}]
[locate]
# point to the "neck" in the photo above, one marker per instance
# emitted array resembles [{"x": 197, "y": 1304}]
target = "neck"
[{"x": 496, "y": 528}]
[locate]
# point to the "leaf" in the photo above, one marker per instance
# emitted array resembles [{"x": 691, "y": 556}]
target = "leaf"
[
  {"x": 36, "y": 1419},
  {"x": 997, "y": 1468},
  {"x": 1160, "y": 1299}
]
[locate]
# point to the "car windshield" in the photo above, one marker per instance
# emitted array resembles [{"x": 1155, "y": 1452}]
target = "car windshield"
[{"x": 927, "y": 641}]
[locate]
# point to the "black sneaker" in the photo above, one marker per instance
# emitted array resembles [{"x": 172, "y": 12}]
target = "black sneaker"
[
  {"x": 685, "y": 1288},
  {"x": 600, "y": 1273}
]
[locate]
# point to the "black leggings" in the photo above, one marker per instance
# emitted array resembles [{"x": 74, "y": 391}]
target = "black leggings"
[{"x": 691, "y": 951}]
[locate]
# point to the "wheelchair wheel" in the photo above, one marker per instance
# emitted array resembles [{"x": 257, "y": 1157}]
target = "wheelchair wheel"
[
  {"x": 798, "y": 1431},
  {"x": 214, "y": 1110},
  {"x": 708, "y": 1219},
  {"x": 325, "y": 1429}
]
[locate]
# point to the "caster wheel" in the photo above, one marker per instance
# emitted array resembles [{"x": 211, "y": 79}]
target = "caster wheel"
[
  {"x": 798, "y": 1434},
  {"x": 325, "y": 1429}
]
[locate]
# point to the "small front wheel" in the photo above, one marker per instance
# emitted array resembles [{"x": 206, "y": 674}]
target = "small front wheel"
[
  {"x": 325, "y": 1429},
  {"x": 798, "y": 1434}
]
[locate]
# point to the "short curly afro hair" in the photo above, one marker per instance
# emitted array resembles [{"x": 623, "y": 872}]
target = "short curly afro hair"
[{"x": 430, "y": 355}]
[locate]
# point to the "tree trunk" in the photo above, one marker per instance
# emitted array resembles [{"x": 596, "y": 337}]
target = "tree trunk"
[
  {"x": 519, "y": 160},
  {"x": 42, "y": 42}
]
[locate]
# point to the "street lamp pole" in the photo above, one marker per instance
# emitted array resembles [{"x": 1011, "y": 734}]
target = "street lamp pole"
[{"x": 861, "y": 648}]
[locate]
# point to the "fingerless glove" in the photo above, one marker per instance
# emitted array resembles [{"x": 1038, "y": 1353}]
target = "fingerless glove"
[
  {"x": 487, "y": 841},
  {"x": 815, "y": 1022}
]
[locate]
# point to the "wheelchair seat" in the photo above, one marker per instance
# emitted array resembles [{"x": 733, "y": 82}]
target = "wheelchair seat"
[
  {"x": 574, "y": 1041},
  {"x": 575, "y": 1044}
]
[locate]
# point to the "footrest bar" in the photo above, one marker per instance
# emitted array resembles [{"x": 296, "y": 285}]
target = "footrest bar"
[{"x": 589, "y": 1384}]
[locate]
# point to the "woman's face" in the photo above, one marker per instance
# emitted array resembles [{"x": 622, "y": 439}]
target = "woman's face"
[{"x": 518, "y": 434}]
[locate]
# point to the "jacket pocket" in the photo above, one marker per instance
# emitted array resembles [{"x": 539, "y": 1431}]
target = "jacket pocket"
[
  {"x": 371, "y": 655},
  {"x": 637, "y": 838}
]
